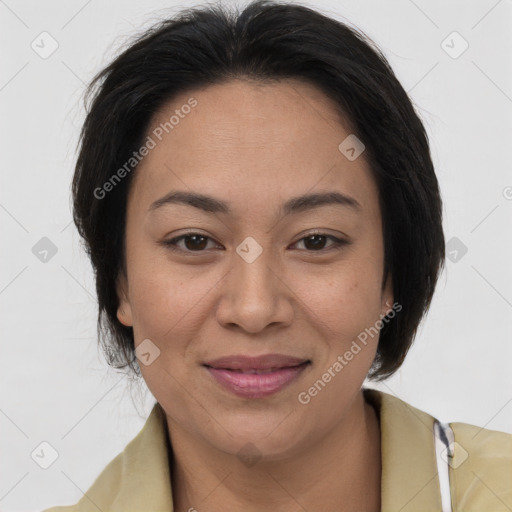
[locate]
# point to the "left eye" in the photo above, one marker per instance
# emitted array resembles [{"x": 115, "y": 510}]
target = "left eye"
[
  {"x": 317, "y": 241},
  {"x": 193, "y": 241}
]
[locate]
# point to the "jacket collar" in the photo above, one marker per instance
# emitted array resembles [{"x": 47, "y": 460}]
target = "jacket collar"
[
  {"x": 144, "y": 480},
  {"x": 409, "y": 480},
  {"x": 409, "y": 472}
]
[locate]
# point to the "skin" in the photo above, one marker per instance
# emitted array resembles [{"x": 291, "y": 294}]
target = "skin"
[{"x": 255, "y": 146}]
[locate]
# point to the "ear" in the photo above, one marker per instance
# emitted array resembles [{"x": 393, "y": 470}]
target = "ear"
[
  {"x": 387, "y": 296},
  {"x": 124, "y": 310}
]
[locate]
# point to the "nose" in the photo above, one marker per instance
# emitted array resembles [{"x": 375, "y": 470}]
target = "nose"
[{"x": 254, "y": 295}]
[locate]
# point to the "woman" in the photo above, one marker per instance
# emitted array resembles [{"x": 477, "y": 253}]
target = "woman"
[{"x": 258, "y": 200}]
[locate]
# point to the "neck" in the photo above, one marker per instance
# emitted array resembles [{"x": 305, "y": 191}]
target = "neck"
[{"x": 340, "y": 472}]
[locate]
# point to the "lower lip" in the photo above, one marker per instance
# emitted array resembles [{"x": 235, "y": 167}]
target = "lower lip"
[{"x": 256, "y": 385}]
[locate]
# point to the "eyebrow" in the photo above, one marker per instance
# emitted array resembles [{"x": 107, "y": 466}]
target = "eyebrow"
[{"x": 297, "y": 204}]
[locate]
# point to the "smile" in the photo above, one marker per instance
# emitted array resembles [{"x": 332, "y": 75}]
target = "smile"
[{"x": 256, "y": 383}]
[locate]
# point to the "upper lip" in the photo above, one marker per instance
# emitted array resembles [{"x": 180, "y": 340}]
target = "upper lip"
[{"x": 264, "y": 362}]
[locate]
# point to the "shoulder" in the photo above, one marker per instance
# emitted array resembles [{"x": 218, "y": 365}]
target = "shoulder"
[
  {"x": 481, "y": 468},
  {"x": 136, "y": 479},
  {"x": 103, "y": 491}
]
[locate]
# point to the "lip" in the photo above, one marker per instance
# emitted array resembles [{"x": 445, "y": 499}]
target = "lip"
[
  {"x": 264, "y": 362},
  {"x": 238, "y": 373}
]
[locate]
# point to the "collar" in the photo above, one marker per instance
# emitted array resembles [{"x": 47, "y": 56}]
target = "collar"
[
  {"x": 409, "y": 479},
  {"x": 139, "y": 477}
]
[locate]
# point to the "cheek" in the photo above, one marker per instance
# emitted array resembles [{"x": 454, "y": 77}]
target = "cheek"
[
  {"x": 346, "y": 298},
  {"x": 160, "y": 292},
  {"x": 162, "y": 303},
  {"x": 166, "y": 309}
]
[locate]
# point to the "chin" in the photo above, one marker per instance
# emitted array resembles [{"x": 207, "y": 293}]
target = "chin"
[{"x": 270, "y": 438}]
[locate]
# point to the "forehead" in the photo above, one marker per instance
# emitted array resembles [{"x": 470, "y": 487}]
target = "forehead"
[{"x": 258, "y": 142}]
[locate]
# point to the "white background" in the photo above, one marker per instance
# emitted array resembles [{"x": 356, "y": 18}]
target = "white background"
[{"x": 56, "y": 386}]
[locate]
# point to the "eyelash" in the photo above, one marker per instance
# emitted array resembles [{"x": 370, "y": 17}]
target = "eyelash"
[{"x": 337, "y": 242}]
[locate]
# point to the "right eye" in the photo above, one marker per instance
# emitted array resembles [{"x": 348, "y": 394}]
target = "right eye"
[{"x": 194, "y": 242}]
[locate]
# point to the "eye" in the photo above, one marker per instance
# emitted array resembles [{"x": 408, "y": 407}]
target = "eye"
[
  {"x": 196, "y": 242},
  {"x": 316, "y": 241}
]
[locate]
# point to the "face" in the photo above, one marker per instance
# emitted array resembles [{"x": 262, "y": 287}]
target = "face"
[{"x": 253, "y": 272}]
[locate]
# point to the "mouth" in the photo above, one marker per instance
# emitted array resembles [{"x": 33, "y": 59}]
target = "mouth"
[{"x": 256, "y": 377}]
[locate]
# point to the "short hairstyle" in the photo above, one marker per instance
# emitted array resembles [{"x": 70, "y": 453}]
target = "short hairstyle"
[{"x": 266, "y": 41}]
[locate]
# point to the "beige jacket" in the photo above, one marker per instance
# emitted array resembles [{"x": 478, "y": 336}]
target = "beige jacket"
[{"x": 480, "y": 471}]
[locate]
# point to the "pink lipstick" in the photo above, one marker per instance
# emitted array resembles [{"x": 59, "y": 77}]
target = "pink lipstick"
[{"x": 256, "y": 377}]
